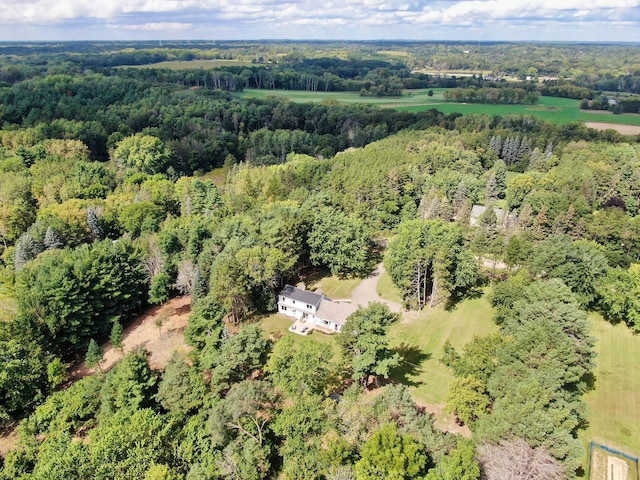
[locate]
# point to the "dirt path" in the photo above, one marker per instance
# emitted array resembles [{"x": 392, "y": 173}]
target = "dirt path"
[
  {"x": 367, "y": 291},
  {"x": 144, "y": 333}
]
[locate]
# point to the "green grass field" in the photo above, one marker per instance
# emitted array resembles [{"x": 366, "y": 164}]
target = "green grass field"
[
  {"x": 336, "y": 288},
  {"x": 551, "y": 109},
  {"x": 387, "y": 290},
  {"x": 422, "y": 335},
  {"x": 614, "y": 403},
  {"x": 276, "y": 325},
  {"x": 191, "y": 64}
]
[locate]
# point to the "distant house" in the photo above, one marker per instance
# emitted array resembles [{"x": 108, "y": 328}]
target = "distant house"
[
  {"x": 503, "y": 217},
  {"x": 313, "y": 310}
]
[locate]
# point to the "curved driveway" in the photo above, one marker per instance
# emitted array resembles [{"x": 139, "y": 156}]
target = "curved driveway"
[{"x": 367, "y": 291}]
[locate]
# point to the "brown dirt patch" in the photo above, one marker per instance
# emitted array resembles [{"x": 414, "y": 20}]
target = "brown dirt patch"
[
  {"x": 443, "y": 420},
  {"x": 623, "y": 129},
  {"x": 144, "y": 333},
  {"x": 8, "y": 439}
]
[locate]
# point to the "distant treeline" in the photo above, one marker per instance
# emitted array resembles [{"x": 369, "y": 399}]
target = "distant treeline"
[
  {"x": 506, "y": 95},
  {"x": 615, "y": 105}
]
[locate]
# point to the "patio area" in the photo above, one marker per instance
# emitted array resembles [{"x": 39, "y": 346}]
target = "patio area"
[{"x": 301, "y": 327}]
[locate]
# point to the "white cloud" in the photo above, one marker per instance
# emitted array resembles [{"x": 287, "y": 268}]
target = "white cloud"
[
  {"x": 268, "y": 17},
  {"x": 158, "y": 27}
]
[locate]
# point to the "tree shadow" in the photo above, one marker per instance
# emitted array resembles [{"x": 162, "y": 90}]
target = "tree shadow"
[
  {"x": 411, "y": 359},
  {"x": 471, "y": 293},
  {"x": 588, "y": 382}
]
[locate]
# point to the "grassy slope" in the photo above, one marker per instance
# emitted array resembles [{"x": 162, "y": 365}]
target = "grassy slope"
[
  {"x": 552, "y": 109},
  {"x": 426, "y": 332},
  {"x": 614, "y": 404}
]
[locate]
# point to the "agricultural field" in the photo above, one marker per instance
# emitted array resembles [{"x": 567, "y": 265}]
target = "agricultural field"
[{"x": 551, "y": 109}]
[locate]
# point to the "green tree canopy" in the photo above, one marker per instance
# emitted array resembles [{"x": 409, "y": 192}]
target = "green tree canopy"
[
  {"x": 363, "y": 341},
  {"x": 390, "y": 455},
  {"x": 427, "y": 260}
]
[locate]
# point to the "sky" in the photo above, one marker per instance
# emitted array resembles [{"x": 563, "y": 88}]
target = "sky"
[{"x": 480, "y": 20}]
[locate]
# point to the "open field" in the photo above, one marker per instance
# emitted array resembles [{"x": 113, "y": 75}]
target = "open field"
[
  {"x": 551, "y": 109},
  {"x": 614, "y": 403},
  {"x": 217, "y": 175},
  {"x": 623, "y": 129},
  {"x": 191, "y": 64},
  {"x": 421, "y": 335}
]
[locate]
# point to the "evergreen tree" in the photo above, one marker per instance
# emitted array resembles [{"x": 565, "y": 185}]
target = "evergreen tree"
[
  {"x": 27, "y": 248},
  {"x": 94, "y": 355},
  {"x": 117, "y": 336},
  {"x": 51, "y": 239},
  {"x": 94, "y": 223}
]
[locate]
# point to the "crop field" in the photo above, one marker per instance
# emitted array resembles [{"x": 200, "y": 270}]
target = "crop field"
[{"x": 551, "y": 109}]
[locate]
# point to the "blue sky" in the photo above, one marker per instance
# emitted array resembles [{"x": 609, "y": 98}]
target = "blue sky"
[{"x": 545, "y": 20}]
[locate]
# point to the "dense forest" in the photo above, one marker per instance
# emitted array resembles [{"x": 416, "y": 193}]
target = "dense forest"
[{"x": 109, "y": 203}]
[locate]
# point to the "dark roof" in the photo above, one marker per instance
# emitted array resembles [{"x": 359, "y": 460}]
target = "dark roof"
[{"x": 303, "y": 296}]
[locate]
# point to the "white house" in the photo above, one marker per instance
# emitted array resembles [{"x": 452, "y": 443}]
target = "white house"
[{"x": 313, "y": 310}]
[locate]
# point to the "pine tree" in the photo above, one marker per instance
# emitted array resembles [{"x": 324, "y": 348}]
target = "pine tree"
[
  {"x": 495, "y": 144},
  {"x": 461, "y": 196},
  {"x": 51, "y": 239},
  {"x": 117, "y": 336},
  {"x": 500, "y": 172},
  {"x": 93, "y": 221},
  {"x": 525, "y": 219},
  {"x": 27, "y": 248},
  {"x": 491, "y": 193},
  {"x": 94, "y": 355}
]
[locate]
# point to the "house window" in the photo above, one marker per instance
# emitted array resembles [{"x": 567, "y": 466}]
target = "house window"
[
  {"x": 309, "y": 307},
  {"x": 294, "y": 302},
  {"x": 284, "y": 309},
  {"x": 283, "y": 299},
  {"x": 325, "y": 322}
]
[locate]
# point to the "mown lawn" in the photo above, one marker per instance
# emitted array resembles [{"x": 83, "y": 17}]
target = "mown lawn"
[
  {"x": 614, "y": 403},
  {"x": 387, "y": 290},
  {"x": 336, "y": 288},
  {"x": 551, "y": 109},
  {"x": 276, "y": 325},
  {"x": 422, "y": 335}
]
